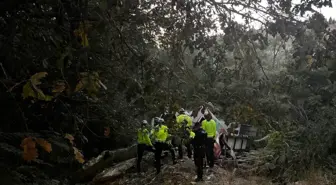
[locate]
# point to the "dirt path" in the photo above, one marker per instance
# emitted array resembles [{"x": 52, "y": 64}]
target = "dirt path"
[{"x": 183, "y": 173}]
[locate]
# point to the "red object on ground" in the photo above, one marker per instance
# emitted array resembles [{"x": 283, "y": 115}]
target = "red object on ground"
[{"x": 217, "y": 150}]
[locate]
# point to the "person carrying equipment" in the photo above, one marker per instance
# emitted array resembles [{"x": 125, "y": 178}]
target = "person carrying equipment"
[
  {"x": 183, "y": 121},
  {"x": 160, "y": 134},
  {"x": 144, "y": 143},
  {"x": 209, "y": 125},
  {"x": 199, "y": 142}
]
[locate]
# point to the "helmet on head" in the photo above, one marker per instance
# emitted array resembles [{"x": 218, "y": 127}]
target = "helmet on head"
[
  {"x": 144, "y": 122},
  {"x": 181, "y": 111},
  {"x": 157, "y": 120}
]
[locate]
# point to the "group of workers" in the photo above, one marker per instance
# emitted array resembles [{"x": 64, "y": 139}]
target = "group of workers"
[{"x": 200, "y": 137}]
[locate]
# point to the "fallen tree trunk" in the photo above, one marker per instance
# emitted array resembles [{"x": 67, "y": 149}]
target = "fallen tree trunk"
[
  {"x": 112, "y": 173},
  {"x": 104, "y": 160}
]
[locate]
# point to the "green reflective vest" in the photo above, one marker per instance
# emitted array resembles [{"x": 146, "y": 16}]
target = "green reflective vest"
[
  {"x": 192, "y": 134},
  {"x": 209, "y": 127},
  {"x": 180, "y": 118},
  {"x": 143, "y": 137},
  {"x": 160, "y": 134}
]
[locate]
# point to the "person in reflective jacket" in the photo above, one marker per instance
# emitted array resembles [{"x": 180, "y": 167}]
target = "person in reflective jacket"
[
  {"x": 160, "y": 134},
  {"x": 199, "y": 142},
  {"x": 209, "y": 125},
  {"x": 144, "y": 143},
  {"x": 189, "y": 136},
  {"x": 183, "y": 118},
  {"x": 183, "y": 123}
]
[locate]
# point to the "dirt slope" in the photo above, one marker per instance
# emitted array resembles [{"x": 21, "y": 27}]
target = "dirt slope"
[{"x": 183, "y": 173}]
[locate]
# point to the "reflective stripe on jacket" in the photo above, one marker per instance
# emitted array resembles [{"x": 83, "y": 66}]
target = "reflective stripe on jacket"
[{"x": 209, "y": 127}]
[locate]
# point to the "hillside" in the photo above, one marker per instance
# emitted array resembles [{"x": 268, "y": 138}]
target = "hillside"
[{"x": 78, "y": 77}]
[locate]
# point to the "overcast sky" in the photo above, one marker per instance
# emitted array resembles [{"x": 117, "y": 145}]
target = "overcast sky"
[
  {"x": 329, "y": 12},
  {"x": 326, "y": 11}
]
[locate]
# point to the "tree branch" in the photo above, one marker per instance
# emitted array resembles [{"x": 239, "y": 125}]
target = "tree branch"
[
  {"x": 121, "y": 35},
  {"x": 3, "y": 70}
]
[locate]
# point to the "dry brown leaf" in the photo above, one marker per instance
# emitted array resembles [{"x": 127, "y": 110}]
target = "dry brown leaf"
[
  {"x": 29, "y": 149},
  {"x": 44, "y": 144},
  {"x": 31, "y": 89},
  {"x": 70, "y": 137},
  {"x": 29, "y": 154},
  {"x": 107, "y": 131},
  {"x": 81, "y": 32},
  {"x": 79, "y": 86},
  {"x": 35, "y": 79},
  {"x": 78, "y": 155},
  {"x": 59, "y": 87}
]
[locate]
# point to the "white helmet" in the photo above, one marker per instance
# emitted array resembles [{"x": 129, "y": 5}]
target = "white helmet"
[
  {"x": 158, "y": 120},
  {"x": 144, "y": 122}
]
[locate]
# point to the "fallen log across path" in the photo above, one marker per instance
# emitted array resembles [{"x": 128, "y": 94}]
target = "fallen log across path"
[
  {"x": 105, "y": 160},
  {"x": 112, "y": 173}
]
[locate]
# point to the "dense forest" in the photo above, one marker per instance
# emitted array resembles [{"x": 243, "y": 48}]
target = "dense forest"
[{"x": 77, "y": 77}]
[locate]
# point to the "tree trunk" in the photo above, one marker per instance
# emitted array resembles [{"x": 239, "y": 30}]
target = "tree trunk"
[
  {"x": 111, "y": 174},
  {"x": 104, "y": 160}
]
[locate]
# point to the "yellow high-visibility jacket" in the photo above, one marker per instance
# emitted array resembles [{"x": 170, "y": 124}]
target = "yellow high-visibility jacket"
[
  {"x": 209, "y": 127},
  {"x": 160, "y": 134},
  {"x": 192, "y": 135},
  {"x": 180, "y": 118},
  {"x": 143, "y": 137}
]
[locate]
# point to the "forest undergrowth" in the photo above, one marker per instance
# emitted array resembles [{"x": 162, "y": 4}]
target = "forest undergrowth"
[{"x": 77, "y": 77}]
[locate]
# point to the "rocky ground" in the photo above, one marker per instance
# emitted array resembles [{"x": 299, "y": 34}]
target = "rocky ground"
[{"x": 183, "y": 173}]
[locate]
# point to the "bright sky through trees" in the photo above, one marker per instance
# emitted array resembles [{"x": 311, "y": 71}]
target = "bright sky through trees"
[{"x": 328, "y": 12}]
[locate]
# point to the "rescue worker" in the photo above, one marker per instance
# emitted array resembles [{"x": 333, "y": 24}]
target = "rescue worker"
[
  {"x": 199, "y": 143},
  {"x": 209, "y": 125},
  {"x": 144, "y": 143},
  {"x": 183, "y": 121},
  {"x": 190, "y": 134},
  {"x": 161, "y": 134},
  {"x": 183, "y": 118}
]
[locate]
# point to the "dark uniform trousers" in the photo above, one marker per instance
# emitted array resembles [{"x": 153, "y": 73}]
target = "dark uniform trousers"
[
  {"x": 210, "y": 151},
  {"x": 199, "y": 154},
  {"x": 188, "y": 145},
  {"x": 159, "y": 147},
  {"x": 140, "y": 151},
  {"x": 183, "y": 135}
]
